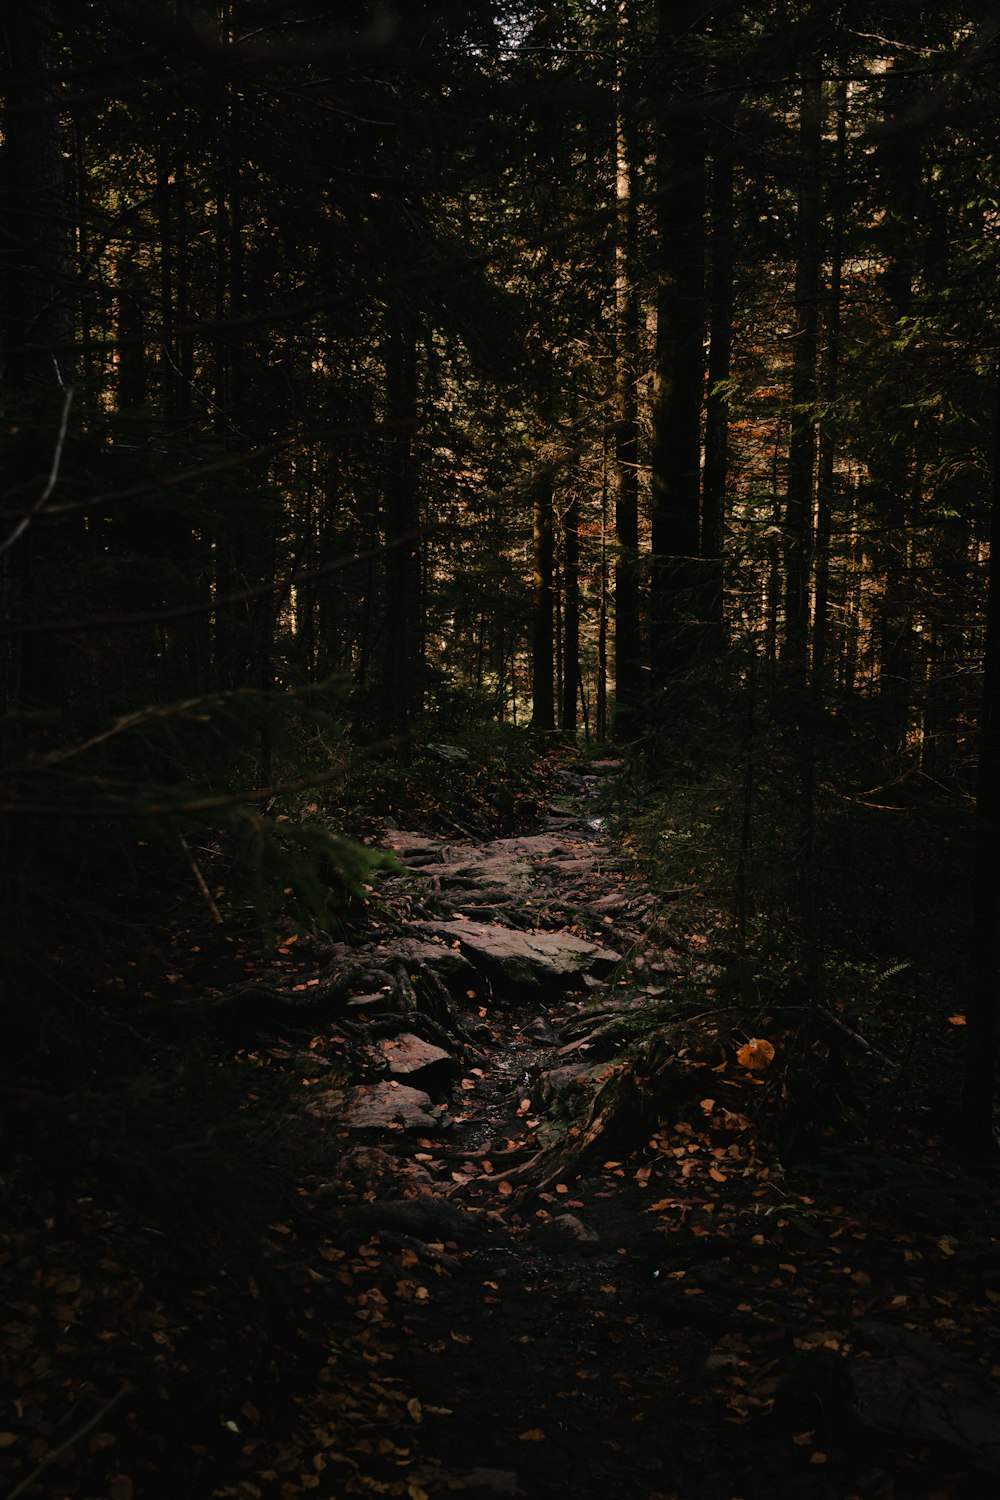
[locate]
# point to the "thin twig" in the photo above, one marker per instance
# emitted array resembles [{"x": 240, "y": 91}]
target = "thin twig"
[
  {"x": 199, "y": 880},
  {"x": 50, "y": 1458},
  {"x": 50, "y": 483}
]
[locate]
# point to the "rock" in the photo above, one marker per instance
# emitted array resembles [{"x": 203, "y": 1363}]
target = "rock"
[
  {"x": 601, "y": 767},
  {"x": 564, "y": 1231},
  {"x": 526, "y": 961},
  {"x": 367, "y": 1168},
  {"x": 450, "y": 964},
  {"x": 551, "y": 1087},
  {"x": 407, "y": 846},
  {"x": 530, "y": 846},
  {"x": 418, "y": 1062},
  {"x": 425, "y": 1217},
  {"x": 502, "y": 872},
  {"x": 453, "y": 753},
  {"x": 377, "y": 1106},
  {"x": 911, "y": 1389}
]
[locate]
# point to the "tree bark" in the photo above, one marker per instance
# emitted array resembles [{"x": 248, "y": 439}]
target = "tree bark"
[
  {"x": 542, "y": 608},
  {"x": 678, "y": 377},
  {"x": 37, "y": 315},
  {"x": 401, "y": 691},
  {"x": 627, "y": 640},
  {"x": 979, "y": 1084},
  {"x": 720, "y": 348},
  {"x": 805, "y": 357},
  {"x": 571, "y": 613}
]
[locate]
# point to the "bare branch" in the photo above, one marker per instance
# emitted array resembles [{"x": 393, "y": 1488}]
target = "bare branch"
[{"x": 50, "y": 484}]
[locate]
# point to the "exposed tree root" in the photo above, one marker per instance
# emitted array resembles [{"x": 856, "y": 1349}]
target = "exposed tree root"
[{"x": 622, "y": 1112}]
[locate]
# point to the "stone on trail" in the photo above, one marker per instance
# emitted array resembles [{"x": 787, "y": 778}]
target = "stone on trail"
[
  {"x": 410, "y": 1057},
  {"x": 377, "y": 1106},
  {"x": 502, "y": 871},
  {"x": 526, "y": 961}
]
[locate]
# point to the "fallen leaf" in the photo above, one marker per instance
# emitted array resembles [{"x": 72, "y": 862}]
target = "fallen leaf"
[
  {"x": 533, "y": 1435},
  {"x": 415, "y": 1409},
  {"x": 957, "y": 1021}
]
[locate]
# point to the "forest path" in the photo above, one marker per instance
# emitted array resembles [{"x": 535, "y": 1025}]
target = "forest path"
[{"x": 550, "y": 1272}]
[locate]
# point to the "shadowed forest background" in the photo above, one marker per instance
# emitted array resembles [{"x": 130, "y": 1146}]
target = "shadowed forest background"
[{"x": 396, "y": 397}]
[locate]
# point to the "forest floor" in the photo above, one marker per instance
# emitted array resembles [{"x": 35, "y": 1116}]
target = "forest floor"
[{"x": 533, "y": 1241}]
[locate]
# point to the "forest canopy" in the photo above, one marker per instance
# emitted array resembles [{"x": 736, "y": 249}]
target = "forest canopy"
[{"x": 374, "y": 374}]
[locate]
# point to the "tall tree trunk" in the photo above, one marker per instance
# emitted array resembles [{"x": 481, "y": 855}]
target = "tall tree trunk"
[
  {"x": 984, "y": 998},
  {"x": 720, "y": 349},
  {"x": 831, "y": 383},
  {"x": 800, "y": 493},
  {"x": 401, "y": 686},
  {"x": 571, "y": 611},
  {"x": 678, "y": 370},
  {"x": 601, "y": 706},
  {"x": 36, "y": 332},
  {"x": 542, "y": 607},
  {"x": 628, "y": 647}
]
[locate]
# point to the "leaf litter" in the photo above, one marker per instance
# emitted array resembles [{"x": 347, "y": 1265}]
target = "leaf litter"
[{"x": 641, "y": 1300}]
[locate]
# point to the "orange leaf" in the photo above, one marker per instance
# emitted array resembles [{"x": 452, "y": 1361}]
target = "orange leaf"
[
  {"x": 756, "y": 1055},
  {"x": 956, "y": 1021},
  {"x": 533, "y": 1435}
]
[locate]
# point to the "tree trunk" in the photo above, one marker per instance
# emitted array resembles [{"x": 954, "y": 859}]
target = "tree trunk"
[
  {"x": 678, "y": 377},
  {"x": 571, "y": 612},
  {"x": 401, "y": 689},
  {"x": 37, "y": 316},
  {"x": 984, "y": 997},
  {"x": 542, "y": 608},
  {"x": 601, "y": 706},
  {"x": 805, "y": 355},
  {"x": 720, "y": 348},
  {"x": 628, "y": 648}
]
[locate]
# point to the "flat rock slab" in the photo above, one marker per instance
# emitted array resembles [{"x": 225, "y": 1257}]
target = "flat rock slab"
[
  {"x": 410, "y": 1058},
  {"x": 530, "y": 846},
  {"x": 526, "y": 961},
  {"x": 503, "y": 871},
  {"x": 446, "y": 962},
  {"x": 377, "y": 1106}
]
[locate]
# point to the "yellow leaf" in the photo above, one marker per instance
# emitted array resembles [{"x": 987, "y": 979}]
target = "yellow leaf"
[
  {"x": 946, "y": 1244},
  {"x": 415, "y": 1409},
  {"x": 7, "y": 1439},
  {"x": 533, "y": 1435},
  {"x": 416, "y": 1491},
  {"x": 756, "y": 1055}
]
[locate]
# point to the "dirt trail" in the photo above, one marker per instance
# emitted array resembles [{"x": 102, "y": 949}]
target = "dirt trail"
[
  {"x": 519, "y": 1231},
  {"x": 551, "y": 1273}
]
